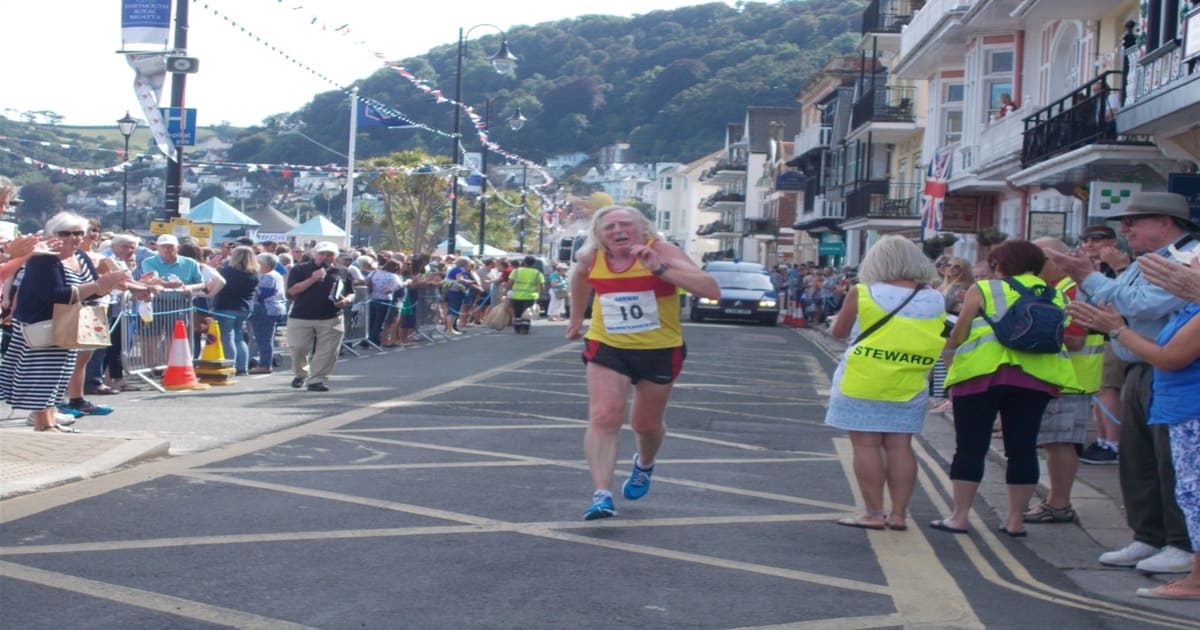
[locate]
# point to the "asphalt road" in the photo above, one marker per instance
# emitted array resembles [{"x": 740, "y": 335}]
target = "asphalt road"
[{"x": 443, "y": 487}]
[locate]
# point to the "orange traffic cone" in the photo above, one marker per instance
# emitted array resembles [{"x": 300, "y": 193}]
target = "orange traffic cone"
[
  {"x": 213, "y": 368},
  {"x": 179, "y": 374}
]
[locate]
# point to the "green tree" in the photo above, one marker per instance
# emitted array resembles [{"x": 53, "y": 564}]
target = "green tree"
[
  {"x": 598, "y": 200},
  {"x": 414, "y": 198},
  {"x": 40, "y": 200},
  {"x": 208, "y": 192}
]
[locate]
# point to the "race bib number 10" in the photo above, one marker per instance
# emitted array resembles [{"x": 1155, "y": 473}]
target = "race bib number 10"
[{"x": 627, "y": 313}]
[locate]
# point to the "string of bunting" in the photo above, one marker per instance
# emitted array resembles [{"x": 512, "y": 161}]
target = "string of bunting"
[
  {"x": 286, "y": 170},
  {"x": 84, "y": 172},
  {"x": 344, "y": 29}
]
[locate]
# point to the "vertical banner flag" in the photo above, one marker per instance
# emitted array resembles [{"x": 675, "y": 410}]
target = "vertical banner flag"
[
  {"x": 151, "y": 71},
  {"x": 370, "y": 115},
  {"x": 934, "y": 197},
  {"x": 145, "y": 22}
]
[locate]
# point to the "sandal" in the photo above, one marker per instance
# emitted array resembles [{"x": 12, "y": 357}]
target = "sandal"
[
  {"x": 1046, "y": 513},
  {"x": 55, "y": 428}
]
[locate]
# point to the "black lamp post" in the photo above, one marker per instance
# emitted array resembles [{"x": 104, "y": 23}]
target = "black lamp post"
[
  {"x": 504, "y": 62},
  {"x": 126, "y": 124},
  {"x": 515, "y": 122}
]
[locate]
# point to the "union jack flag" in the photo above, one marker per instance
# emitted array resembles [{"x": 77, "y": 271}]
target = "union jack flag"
[{"x": 934, "y": 197}]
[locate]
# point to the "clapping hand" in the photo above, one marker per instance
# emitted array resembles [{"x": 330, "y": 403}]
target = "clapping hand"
[
  {"x": 1180, "y": 280},
  {"x": 1106, "y": 318}
]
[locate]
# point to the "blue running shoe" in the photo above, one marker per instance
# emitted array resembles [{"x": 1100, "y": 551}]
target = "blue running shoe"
[
  {"x": 89, "y": 408},
  {"x": 602, "y": 507},
  {"x": 64, "y": 409},
  {"x": 638, "y": 483}
]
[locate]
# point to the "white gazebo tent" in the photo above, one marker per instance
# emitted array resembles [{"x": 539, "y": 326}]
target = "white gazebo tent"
[
  {"x": 468, "y": 248},
  {"x": 316, "y": 229}
]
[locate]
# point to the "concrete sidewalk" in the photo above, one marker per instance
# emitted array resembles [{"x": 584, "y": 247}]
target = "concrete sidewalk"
[{"x": 31, "y": 461}]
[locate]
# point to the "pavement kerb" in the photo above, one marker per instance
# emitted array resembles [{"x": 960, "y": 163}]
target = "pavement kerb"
[
  {"x": 34, "y": 462},
  {"x": 1101, "y": 515}
]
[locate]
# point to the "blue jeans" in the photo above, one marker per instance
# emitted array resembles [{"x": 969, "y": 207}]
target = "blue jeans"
[
  {"x": 233, "y": 338},
  {"x": 264, "y": 336}
]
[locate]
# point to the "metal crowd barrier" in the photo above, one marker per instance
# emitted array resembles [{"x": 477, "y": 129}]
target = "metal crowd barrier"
[
  {"x": 146, "y": 343},
  {"x": 429, "y": 313},
  {"x": 356, "y": 322}
]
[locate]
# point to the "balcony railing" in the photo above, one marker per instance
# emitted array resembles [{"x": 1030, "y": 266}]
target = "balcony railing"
[
  {"x": 928, "y": 19},
  {"x": 716, "y": 227},
  {"x": 867, "y": 195},
  {"x": 1001, "y": 139},
  {"x": 884, "y": 200},
  {"x": 812, "y": 138},
  {"x": 723, "y": 196},
  {"x": 1083, "y": 117},
  {"x": 760, "y": 225},
  {"x": 889, "y": 16},
  {"x": 885, "y": 103}
]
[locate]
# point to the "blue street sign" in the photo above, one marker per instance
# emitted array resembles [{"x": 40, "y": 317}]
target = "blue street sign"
[{"x": 181, "y": 125}]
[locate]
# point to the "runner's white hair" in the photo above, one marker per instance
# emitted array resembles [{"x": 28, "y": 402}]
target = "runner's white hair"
[{"x": 593, "y": 231}]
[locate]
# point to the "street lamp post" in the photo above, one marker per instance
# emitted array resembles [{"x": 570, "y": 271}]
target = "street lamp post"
[
  {"x": 524, "y": 211},
  {"x": 515, "y": 122},
  {"x": 126, "y": 124},
  {"x": 504, "y": 62}
]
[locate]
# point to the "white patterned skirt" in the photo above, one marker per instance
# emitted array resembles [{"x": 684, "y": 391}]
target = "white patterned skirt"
[{"x": 34, "y": 378}]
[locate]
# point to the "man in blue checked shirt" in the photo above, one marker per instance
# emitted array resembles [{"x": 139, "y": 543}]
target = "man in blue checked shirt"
[{"x": 1161, "y": 223}]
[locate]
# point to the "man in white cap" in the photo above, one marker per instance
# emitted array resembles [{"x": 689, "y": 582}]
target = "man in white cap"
[
  {"x": 174, "y": 271},
  {"x": 1157, "y": 222},
  {"x": 178, "y": 276},
  {"x": 318, "y": 289}
]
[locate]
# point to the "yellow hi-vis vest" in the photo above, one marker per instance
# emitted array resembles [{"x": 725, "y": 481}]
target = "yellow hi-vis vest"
[
  {"x": 1088, "y": 361},
  {"x": 893, "y": 362},
  {"x": 982, "y": 354},
  {"x": 525, "y": 282}
]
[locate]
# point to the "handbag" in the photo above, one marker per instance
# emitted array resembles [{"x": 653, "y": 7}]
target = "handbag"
[
  {"x": 498, "y": 318},
  {"x": 38, "y": 334},
  {"x": 79, "y": 326}
]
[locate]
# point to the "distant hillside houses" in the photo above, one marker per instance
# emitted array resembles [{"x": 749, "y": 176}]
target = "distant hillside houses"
[{"x": 623, "y": 182}]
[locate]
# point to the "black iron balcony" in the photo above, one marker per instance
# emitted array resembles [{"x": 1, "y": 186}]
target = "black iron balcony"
[
  {"x": 884, "y": 103},
  {"x": 714, "y": 228},
  {"x": 722, "y": 196},
  {"x": 882, "y": 199},
  {"x": 889, "y": 16},
  {"x": 760, "y": 225},
  {"x": 1081, "y": 118}
]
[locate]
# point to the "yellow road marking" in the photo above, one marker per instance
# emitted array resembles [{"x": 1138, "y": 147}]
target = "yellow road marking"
[
  {"x": 1024, "y": 582},
  {"x": 925, "y": 594},
  {"x": 144, "y": 599},
  {"x": 497, "y": 527}
]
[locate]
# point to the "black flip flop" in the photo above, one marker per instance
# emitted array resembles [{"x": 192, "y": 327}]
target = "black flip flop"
[{"x": 1020, "y": 534}]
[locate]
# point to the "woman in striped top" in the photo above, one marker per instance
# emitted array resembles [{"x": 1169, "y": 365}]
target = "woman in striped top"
[{"x": 36, "y": 378}]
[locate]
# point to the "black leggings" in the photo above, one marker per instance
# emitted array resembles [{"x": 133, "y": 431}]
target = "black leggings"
[{"x": 1020, "y": 412}]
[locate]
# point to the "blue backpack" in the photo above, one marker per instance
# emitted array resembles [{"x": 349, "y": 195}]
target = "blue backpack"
[{"x": 1032, "y": 323}]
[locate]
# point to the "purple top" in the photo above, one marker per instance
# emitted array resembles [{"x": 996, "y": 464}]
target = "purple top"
[{"x": 1004, "y": 375}]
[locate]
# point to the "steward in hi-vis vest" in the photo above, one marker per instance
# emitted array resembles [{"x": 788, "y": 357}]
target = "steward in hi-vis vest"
[
  {"x": 1088, "y": 361},
  {"x": 893, "y": 362},
  {"x": 982, "y": 353}
]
